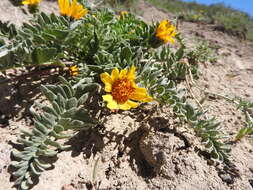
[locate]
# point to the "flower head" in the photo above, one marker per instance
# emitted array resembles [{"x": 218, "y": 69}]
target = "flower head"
[
  {"x": 122, "y": 90},
  {"x": 166, "y": 31},
  {"x": 122, "y": 14},
  {"x": 31, "y": 2},
  {"x": 73, "y": 70},
  {"x": 73, "y": 9}
]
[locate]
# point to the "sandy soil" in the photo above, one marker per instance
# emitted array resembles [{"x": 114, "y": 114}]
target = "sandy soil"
[{"x": 153, "y": 153}]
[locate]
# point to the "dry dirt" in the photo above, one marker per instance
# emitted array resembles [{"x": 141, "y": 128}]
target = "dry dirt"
[{"x": 151, "y": 153}]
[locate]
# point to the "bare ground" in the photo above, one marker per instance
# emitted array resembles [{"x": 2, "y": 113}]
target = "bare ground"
[{"x": 150, "y": 153}]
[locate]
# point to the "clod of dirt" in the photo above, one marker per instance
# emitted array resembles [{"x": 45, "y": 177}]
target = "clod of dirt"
[{"x": 153, "y": 148}]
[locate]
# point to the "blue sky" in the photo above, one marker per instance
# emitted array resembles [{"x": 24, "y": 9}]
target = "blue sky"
[{"x": 243, "y": 5}]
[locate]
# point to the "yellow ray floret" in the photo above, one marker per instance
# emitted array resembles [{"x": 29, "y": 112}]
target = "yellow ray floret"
[
  {"x": 72, "y": 9},
  {"x": 123, "y": 93},
  {"x": 73, "y": 70},
  {"x": 31, "y": 2},
  {"x": 166, "y": 32}
]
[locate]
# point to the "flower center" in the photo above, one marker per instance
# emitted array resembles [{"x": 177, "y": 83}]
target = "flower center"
[{"x": 121, "y": 90}]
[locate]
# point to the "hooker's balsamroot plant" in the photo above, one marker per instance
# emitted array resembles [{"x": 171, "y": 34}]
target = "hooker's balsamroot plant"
[{"x": 143, "y": 67}]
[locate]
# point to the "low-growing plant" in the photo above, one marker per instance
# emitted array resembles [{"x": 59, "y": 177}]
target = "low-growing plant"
[
  {"x": 203, "y": 52},
  {"x": 117, "y": 59}
]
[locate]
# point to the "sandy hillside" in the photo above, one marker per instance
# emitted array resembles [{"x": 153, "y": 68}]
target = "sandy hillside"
[{"x": 165, "y": 157}]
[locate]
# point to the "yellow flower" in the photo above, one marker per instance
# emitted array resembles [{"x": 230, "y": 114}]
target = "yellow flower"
[
  {"x": 31, "y": 2},
  {"x": 123, "y": 90},
  {"x": 73, "y": 9},
  {"x": 166, "y": 31},
  {"x": 73, "y": 70},
  {"x": 123, "y": 14}
]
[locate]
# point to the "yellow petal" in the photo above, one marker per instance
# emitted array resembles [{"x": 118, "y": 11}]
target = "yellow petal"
[
  {"x": 172, "y": 40},
  {"x": 140, "y": 96},
  {"x": 60, "y": 4},
  {"x": 112, "y": 104},
  {"x": 107, "y": 97},
  {"x": 66, "y": 7},
  {"x": 147, "y": 99},
  {"x": 115, "y": 74},
  {"x": 125, "y": 106},
  {"x": 108, "y": 87},
  {"x": 132, "y": 104},
  {"x": 63, "y": 6},
  {"x": 26, "y": 2},
  {"x": 139, "y": 90},
  {"x": 131, "y": 73},
  {"x": 105, "y": 78},
  {"x": 123, "y": 74}
]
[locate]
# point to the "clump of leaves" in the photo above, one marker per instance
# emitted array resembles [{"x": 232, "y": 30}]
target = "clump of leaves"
[
  {"x": 202, "y": 53},
  {"x": 246, "y": 107}
]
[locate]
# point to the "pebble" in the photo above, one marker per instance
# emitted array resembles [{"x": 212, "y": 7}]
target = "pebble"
[{"x": 227, "y": 178}]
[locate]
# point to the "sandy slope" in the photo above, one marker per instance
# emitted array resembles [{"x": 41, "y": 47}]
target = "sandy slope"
[{"x": 164, "y": 157}]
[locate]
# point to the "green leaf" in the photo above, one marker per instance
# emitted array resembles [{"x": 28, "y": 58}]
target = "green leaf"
[
  {"x": 24, "y": 185},
  {"x": 19, "y": 164},
  {"x": 48, "y": 37},
  {"x": 60, "y": 34},
  {"x": 126, "y": 53},
  {"x": 43, "y": 165},
  {"x": 60, "y": 135},
  {"x": 46, "y": 18},
  {"x": 242, "y": 132},
  {"x": 48, "y": 93},
  {"x": 38, "y": 132},
  {"x": 64, "y": 81},
  {"x": 41, "y": 127},
  {"x": 58, "y": 128},
  {"x": 70, "y": 113},
  {"x": 29, "y": 181},
  {"x": 53, "y": 143},
  {"x": 43, "y": 55},
  {"x": 48, "y": 153},
  {"x": 72, "y": 102},
  {"x": 21, "y": 171},
  {"x": 64, "y": 122},
  {"x": 19, "y": 180},
  {"x": 47, "y": 120},
  {"x": 34, "y": 170},
  {"x": 68, "y": 90},
  {"x": 83, "y": 99},
  {"x": 25, "y": 142},
  {"x": 61, "y": 101},
  {"x": 26, "y": 132},
  {"x": 180, "y": 53},
  {"x": 57, "y": 108}
]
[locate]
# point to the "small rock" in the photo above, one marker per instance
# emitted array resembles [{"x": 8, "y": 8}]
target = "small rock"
[
  {"x": 227, "y": 178},
  {"x": 251, "y": 182},
  {"x": 67, "y": 187}
]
